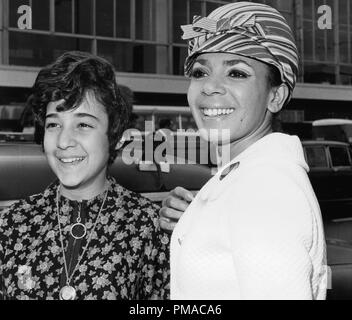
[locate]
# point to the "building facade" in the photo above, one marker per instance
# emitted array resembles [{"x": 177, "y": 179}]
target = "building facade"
[{"x": 142, "y": 38}]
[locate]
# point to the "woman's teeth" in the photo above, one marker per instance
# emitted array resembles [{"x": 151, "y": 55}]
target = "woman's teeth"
[
  {"x": 72, "y": 160},
  {"x": 215, "y": 112}
]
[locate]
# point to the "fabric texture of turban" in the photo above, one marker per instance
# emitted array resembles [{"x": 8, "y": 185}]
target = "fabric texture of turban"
[{"x": 249, "y": 29}]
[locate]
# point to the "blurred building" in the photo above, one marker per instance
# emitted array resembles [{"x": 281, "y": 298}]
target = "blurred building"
[{"x": 142, "y": 38}]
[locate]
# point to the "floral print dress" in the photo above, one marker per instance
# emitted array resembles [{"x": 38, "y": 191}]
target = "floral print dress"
[{"x": 127, "y": 256}]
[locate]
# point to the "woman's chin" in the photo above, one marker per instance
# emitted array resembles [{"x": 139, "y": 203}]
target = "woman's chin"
[
  {"x": 70, "y": 183},
  {"x": 215, "y": 135}
]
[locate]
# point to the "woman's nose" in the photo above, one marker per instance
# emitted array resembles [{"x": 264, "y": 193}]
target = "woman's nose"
[
  {"x": 213, "y": 85},
  {"x": 66, "y": 139}
]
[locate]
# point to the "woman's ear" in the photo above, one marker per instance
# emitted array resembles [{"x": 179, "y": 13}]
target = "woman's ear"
[{"x": 278, "y": 97}]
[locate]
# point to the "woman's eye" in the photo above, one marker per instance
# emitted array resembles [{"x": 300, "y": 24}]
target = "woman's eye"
[
  {"x": 197, "y": 73},
  {"x": 238, "y": 74},
  {"x": 84, "y": 125},
  {"x": 51, "y": 125}
]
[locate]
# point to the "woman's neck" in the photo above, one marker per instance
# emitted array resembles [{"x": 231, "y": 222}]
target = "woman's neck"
[
  {"x": 234, "y": 148},
  {"x": 87, "y": 192}
]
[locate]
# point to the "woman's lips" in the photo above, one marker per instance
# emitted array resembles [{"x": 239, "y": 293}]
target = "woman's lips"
[{"x": 71, "y": 160}]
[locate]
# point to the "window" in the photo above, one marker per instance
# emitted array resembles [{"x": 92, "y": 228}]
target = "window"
[
  {"x": 40, "y": 14},
  {"x": 83, "y": 16},
  {"x": 123, "y": 19},
  {"x": 63, "y": 16},
  {"x": 179, "y": 57},
  {"x": 210, "y": 6},
  {"x": 145, "y": 16},
  {"x": 179, "y": 18},
  {"x": 340, "y": 157},
  {"x": 105, "y": 18},
  {"x": 316, "y": 157},
  {"x": 129, "y": 57},
  {"x": 39, "y": 50},
  {"x": 308, "y": 40}
]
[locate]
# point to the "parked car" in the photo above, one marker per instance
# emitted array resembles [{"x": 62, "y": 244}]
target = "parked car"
[{"x": 330, "y": 165}]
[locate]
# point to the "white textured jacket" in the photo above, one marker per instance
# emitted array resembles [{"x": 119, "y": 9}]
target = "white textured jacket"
[{"x": 256, "y": 233}]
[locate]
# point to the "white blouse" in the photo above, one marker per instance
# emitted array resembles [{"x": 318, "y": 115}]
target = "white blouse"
[{"x": 256, "y": 233}]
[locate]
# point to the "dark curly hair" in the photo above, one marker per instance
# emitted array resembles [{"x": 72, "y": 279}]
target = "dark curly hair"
[{"x": 70, "y": 77}]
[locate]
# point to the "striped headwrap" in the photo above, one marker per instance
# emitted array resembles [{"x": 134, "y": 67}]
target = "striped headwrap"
[{"x": 249, "y": 29}]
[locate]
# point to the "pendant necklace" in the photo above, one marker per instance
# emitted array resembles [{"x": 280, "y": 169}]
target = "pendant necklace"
[
  {"x": 68, "y": 292},
  {"x": 78, "y": 230}
]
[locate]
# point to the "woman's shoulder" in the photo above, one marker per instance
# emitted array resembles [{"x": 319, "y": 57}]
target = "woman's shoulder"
[
  {"x": 137, "y": 211},
  {"x": 133, "y": 200},
  {"x": 23, "y": 209}
]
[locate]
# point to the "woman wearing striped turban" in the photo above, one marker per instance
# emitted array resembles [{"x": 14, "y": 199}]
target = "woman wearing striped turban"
[{"x": 254, "y": 231}]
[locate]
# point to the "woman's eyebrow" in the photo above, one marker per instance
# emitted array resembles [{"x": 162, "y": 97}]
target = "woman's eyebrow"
[
  {"x": 83, "y": 115},
  {"x": 227, "y": 63},
  {"x": 204, "y": 62},
  {"x": 51, "y": 115},
  {"x": 77, "y": 115},
  {"x": 232, "y": 62}
]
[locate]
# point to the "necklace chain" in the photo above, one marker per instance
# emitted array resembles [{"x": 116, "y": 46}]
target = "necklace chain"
[{"x": 68, "y": 279}]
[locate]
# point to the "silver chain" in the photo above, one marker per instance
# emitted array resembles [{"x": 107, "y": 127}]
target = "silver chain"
[{"x": 68, "y": 279}]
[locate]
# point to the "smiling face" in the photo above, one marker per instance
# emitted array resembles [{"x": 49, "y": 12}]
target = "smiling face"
[
  {"x": 77, "y": 148},
  {"x": 230, "y": 92}
]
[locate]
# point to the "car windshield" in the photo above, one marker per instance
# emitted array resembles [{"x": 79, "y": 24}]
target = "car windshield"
[
  {"x": 16, "y": 123},
  {"x": 316, "y": 156},
  {"x": 340, "y": 157}
]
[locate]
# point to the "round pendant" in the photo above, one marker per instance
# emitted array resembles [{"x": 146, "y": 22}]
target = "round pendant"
[
  {"x": 78, "y": 230},
  {"x": 67, "y": 293}
]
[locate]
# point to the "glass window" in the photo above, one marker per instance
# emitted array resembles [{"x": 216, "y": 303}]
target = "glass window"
[
  {"x": 120, "y": 54},
  {"x": 123, "y": 19},
  {"x": 83, "y": 16},
  {"x": 284, "y": 5},
  {"x": 346, "y": 80},
  {"x": 195, "y": 9},
  {"x": 289, "y": 19},
  {"x": 179, "y": 57},
  {"x": 38, "y": 50},
  {"x": 319, "y": 73},
  {"x": 339, "y": 157},
  {"x": 307, "y": 9},
  {"x": 308, "y": 40},
  {"x": 272, "y": 3},
  {"x": 105, "y": 18},
  {"x": 144, "y": 58},
  {"x": 343, "y": 11},
  {"x": 344, "y": 44},
  {"x": 129, "y": 57},
  {"x": 145, "y": 19},
  {"x": 63, "y": 16},
  {"x": 179, "y": 15},
  {"x": 330, "y": 45},
  {"x": 320, "y": 45},
  {"x": 316, "y": 157},
  {"x": 210, "y": 6},
  {"x": 40, "y": 14},
  {"x": 14, "y": 5}
]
